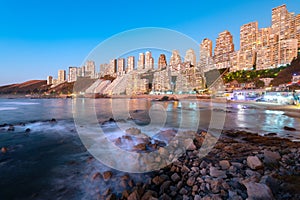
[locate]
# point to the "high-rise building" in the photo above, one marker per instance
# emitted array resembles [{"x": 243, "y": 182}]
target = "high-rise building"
[
  {"x": 206, "y": 61},
  {"x": 113, "y": 67},
  {"x": 149, "y": 61},
  {"x": 263, "y": 37},
  {"x": 175, "y": 61},
  {"x": 190, "y": 57},
  {"x": 61, "y": 76},
  {"x": 283, "y": 23},
  {"x": 248, "y": 36},
  {"x": 162, "y": 62},
  {"x": 121, "y": 66},
  {"x": 224, "y": 46},
  {"x": 130, "y": 64},
  {"x": 288, "y": 50},
  {"x": 49, "y": 80},
  {"x": 297, "y": 28},
  {"x": 141, "y": 61},
  {"x": 90, "y": 69},
  {"x": 72, "y": 77}
]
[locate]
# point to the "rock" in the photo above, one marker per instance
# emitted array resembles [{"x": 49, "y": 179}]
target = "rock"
[
  {"x": 224, "y": 164},
  {"x": 215, "y": 186},
  {"x": 183, "y": 191},
  {"x": 133, "y": 131},
  {"x": 258, "y": 191},
  {"x": 185, "y": 169},
  {"x": 237, "y": 165},
  {"x": 134, "y": 195},
  {"x": 111, "y": 197},
  {"x": 3, "y": 149},
  {"x": 140, "y": 147},
  {"x": 189, "y": 144},
  {"x": 175, "y": 177},
  {"x": 197, "y": 197},
  {"x": 149, "y": 195},
  {"x": 164, "y": 187},
  {"x": 195, "y": 188},
  {"x": 27, "y": 130},
  {"x": 165, "y": 197},
  {"x": 157, "y": 180},
  {"x": 271, "y": 157},
  {"x": 214, "y": 172},
  {"x": 271, "y": 134},
  {"x": 289, "y": 128},
  {"x": 254, "y": 162},
  {"x": 11, "y": 128},
  {"x": 125, "y": 194},
  {"x": 203, "y": 164},
  {"x": 96, "y": 175},
  {"x": 53, "y": 120},
  {"x": 107, "y": 175},
  {"x": 190, "y": 182}
]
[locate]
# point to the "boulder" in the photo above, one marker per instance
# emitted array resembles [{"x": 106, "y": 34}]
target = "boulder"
[
  {"x": 258, "y": 191},
  {"x": 134, "y": 195},
  {"x": 11, "y": 128},
  {"x": 254, "y": 162},
  {"x": 133, "y": 131}
]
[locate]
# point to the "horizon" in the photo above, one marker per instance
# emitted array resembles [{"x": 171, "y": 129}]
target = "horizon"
[{"x": 38, "y": 47}]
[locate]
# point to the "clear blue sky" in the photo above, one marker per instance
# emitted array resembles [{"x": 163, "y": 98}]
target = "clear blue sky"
[{"x": 39, "y": 37}]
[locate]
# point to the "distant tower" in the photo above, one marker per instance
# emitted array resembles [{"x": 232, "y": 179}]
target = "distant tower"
[
  {"x": 121, "y": 66},
  {"x": 190, "y": 57},
  {"x": 61, "y": 76},
  {"x": 175, "y": 61},
  {"x": 90, "y": 69},
  {"x": 49, "y": 80},
  {"x": 205, "y": 53},
  {"x": 72, "y": 74},
  {"x": 162, "y": 62},
  {"x": 141, "y": 61},
  {"x": 130, "y": 63},
  {"x": 149, "y": 61}
]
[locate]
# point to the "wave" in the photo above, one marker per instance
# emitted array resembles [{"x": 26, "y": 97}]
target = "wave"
[
  {"x": 20, "y": 103},
  {"x": 8, "y": 108}
]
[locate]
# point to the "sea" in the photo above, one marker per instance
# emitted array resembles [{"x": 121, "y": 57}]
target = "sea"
[{"x": 46, "y": 157}]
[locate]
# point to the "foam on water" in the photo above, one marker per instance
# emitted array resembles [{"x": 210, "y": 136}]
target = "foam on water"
[{"x": 8, "y": 108}]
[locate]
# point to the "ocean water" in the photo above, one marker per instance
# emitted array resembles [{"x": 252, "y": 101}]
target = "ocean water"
[{"x": 51, "y": 161}]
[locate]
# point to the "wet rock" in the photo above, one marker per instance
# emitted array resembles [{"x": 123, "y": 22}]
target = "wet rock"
[
  {"x": 140, "y": 147},
  {"x": 214, "y": 172},
  {"x": 203, "y": 164},
  {"x": 96, "y": 175},
  {"x": 164, "y": 187},
  {"x": 271, "y": 134},
  {"x": 134, "y": 195},
  {"x": 289, "y": 128},
  {"x": 197, "y": 197},
  {"x": 271, "y": 157},
  {"x": 254, "y": 162},
  {"x": 107, "y": 175},
  {"x": 157, "y": 180},
  {"x": 224, "y": 164},
  {"x": 165, "y": 197},
  {"x": 183, "y": 191},
  {"x": 190, "y": 182},
  {"x": 53, "y": 120},
  {"x": 258, "y": 191},
  {"x": 175, "y": 177},
  {"x": 27, "y": 130},
  {"x": 133, "y": 131},
  {"x": 111, "y": 197},
  {"x": 149, "y": 195},
  {"x": 11, "y": 128},
  {"x": 3, "y": 149}
]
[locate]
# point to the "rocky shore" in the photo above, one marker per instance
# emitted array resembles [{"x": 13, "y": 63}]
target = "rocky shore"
[{"x": 240, "y": 166}]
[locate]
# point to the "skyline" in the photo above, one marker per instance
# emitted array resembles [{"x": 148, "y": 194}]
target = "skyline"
[{"x": 37, "y": 52}]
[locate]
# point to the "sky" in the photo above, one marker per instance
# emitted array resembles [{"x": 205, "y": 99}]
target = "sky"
[{"x": 37, "y": 38}]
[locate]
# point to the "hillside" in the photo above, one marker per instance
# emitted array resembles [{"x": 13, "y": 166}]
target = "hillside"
[
  {"x": 285, "y": 76},
  {"x": 28, "y": 87}
]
